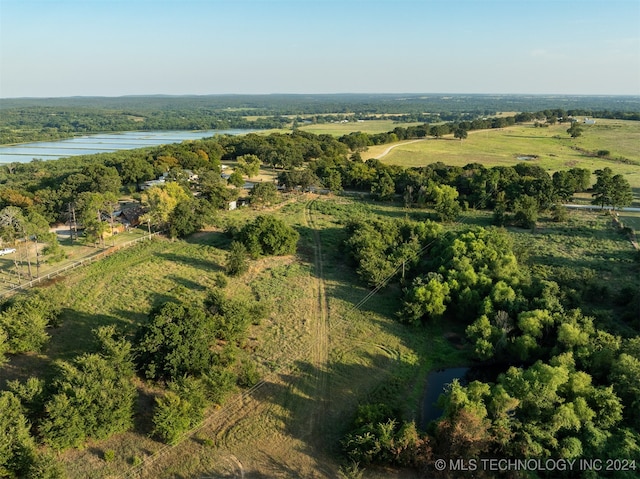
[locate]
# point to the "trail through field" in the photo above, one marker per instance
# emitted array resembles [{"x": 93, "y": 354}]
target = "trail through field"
[
  {"x": 278, "y": 428},
  {"x": 386, "y": 151},
  {"x": 320, "y": 352}
]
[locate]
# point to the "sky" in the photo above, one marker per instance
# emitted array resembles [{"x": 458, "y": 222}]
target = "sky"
[{"x": 60, "y": 48}]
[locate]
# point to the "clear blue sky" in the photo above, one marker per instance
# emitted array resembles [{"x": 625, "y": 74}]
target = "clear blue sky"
[{"x": 124, "y": 47}]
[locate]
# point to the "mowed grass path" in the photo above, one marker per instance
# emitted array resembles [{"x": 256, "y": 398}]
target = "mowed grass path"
[{"x": 552, "y": 146}]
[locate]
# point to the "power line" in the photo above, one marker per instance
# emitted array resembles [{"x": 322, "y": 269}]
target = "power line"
[{"x": 226, "y": 411}]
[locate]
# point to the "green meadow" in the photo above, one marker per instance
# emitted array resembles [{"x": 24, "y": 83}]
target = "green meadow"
[
  {"x": 367, "y": 126},
  {"x": 552, "y": 148}
]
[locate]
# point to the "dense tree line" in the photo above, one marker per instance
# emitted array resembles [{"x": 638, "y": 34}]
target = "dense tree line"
[
  {"x": 39, "y": 119},
  {"x": 20, "y": 125},
  {"x": 50, "y": 191},
  {"x": 566, "y": 388},
  {"x": 381, "y": 249}
]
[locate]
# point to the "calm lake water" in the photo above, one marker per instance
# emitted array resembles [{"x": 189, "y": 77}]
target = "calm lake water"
[{"x": 102, "y": 143}]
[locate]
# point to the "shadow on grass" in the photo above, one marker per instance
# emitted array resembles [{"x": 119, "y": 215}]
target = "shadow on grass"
[
  {"x": 75, "y": 336},
  {"x": 188, "y": 283},
  {"x": 191, "y": 261},
  {"x": 321, "y": 401},
  {"x": 217, "y": 239}
]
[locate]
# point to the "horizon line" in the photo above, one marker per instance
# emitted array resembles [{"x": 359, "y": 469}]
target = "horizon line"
[{"x": 185, "y": 95}]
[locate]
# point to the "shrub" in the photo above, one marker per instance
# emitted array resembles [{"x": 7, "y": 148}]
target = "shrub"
[
  {"x": 179, "y": 410},
  {"x": 249, "y": 375},
  {"x": 105, "y": 406},
  {"x": 26, "y": 319}
]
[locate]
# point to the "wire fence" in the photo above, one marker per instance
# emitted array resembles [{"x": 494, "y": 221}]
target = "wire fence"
[{"x": 76, "y": 264}]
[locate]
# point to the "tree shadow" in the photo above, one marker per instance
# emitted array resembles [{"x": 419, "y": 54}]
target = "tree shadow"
[
  {"x": 321, "y": 399},
  {"x": 192, "y": 261},
  {"x": 75, "y": 335},
  {"x": 187, "y": 283},
  {"x": 217, "y": 239}
]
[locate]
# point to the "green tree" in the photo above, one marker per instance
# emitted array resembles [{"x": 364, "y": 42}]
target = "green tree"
[
  {"x": 236, "y": 179},
  {"x": 383, "y": 188},
  {"x": 249, "y": 165},
  {"x": 426, "y": 298},
  {"x": 213, "y": 189},
  {"x": 237, "y": 257},
  {"x": 160, "y": 202},
  {"x": 624, "y": 376},
  {"x": 171, "y": 417},
  {"x": 17, "y": 447},
  {"x": 460, "y": 133},
  {"x": 102, "y": 179},
  {"x": 104, "y": 407},
  {"x": 176, "y": 341},
  {"x": 268, "y": 235},
  {"x": 25, "y": 321},
  {"x": 188, "y": 217},
  {"x": 333, "y": 181},
  {"x": 603, "y": 189},
  {"x": 445, "y": 199},
  {"x": 621, "y": 194},
  {"x": 526, "y": 211},
  {"x": 575, "y": 130},
  {"x": 134, "y": 170},
  {"x": 263, "y": 193},
  {"x": 180, "y": 409},
  {"x": 438, "y": 131}
]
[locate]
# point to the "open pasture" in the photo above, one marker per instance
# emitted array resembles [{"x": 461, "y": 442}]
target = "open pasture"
[
  {"x": 320, "y": 351},
  {"x": 552, "y": 148},
  {"x": 366, "y": 126}
]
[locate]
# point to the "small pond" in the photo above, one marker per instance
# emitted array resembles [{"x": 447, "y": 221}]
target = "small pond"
[{"x": 434, "y": 387}]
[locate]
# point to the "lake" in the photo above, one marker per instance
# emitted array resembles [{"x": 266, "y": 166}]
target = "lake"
[{"x": 102, "y": 143}]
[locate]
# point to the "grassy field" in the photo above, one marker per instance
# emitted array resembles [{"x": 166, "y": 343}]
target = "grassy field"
[
  {"x": 327, "y": 344},
  {"x": 75, "y": 251},
  {"x": 321, "y": 350},
  {"x": 367, "y": 126},
  {"x": 552, "y": 147},
  {"x": 632, "y": 220}
]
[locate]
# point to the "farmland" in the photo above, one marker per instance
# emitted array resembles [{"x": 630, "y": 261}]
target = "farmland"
[{"x": 551, "y": 146}]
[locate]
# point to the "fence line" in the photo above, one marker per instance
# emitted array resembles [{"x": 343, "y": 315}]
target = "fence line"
[{"x": 88, "y": 260}]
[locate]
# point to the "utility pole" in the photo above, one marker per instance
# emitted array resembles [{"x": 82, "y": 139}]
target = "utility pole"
[
  {"x": 75, "y": 225},
  {"x": 73, "y": 228},
  {"x": 37, "y": 258}
]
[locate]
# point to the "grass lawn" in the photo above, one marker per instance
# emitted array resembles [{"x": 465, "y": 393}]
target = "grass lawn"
[{"x": 631, "y": 219}]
